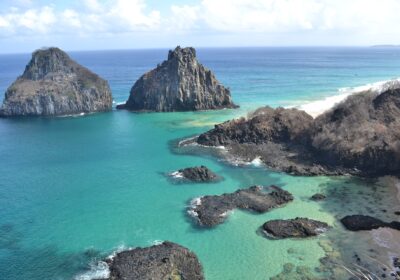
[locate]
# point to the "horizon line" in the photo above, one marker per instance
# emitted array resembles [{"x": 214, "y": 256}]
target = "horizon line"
[{"x": 209, "y": 47}]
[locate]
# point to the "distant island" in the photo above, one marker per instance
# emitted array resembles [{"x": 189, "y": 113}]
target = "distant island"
[
  {"x": 55, "y": 85},
  {"x": 180, "y": 83}
]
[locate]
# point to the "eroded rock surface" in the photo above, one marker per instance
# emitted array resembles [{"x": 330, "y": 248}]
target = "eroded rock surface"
[
  {"x": 362, "y": 222},
  {"x": 212, "y": 210},
  {"x": 180, "y": 83},
  {"x": 167, "y": 261},
  {"x": 53, "y": 85},
  {"x": 196, "y": 174},
  {"x": 294, "y": 228}
]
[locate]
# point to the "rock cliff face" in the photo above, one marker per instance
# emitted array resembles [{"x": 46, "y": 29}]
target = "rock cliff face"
[
  {"x": 360, "y": 136},
  {"x": 52, "y": 85},
  {"x": 180, "y": 83}
]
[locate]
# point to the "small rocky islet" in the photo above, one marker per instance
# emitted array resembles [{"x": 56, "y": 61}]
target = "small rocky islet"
[
  {"x": 198, "y": 174},
  {"x": 294, "y": 228},
  {"x": 164, "y": 261},
  {"x": 212, "y": 210},
  {"x": 55, "y": 85},
  {"x": 364, "y": 222}
]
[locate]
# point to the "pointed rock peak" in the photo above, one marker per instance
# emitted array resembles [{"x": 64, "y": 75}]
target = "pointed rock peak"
[
  {"x": 182, "y": 53},
  {"x": 45, "y": 61}
]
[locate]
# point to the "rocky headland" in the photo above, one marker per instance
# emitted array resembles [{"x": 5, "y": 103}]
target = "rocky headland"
[
  {"x": 359, "y": 136},
  {"x": 55, "y": 85},
  {"x": 200, "y": 174},
  {"x": 212, "y": 210},
  {"x": 362, "y": 222},
  {"x": 165, "y": 261},
  {"x": 181, "y": 83},
  {"x": 294, "y": 228}
]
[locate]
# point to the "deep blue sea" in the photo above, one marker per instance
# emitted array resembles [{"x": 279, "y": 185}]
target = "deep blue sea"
[{"x": 76, "y": 189}]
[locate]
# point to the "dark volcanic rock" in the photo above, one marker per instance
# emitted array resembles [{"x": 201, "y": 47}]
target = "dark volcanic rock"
[
  {"x": 359, "y": 136},
  {"x": 165, "y": 261},
  {"x": 212, "y": 210},
  {"x": 52, "y": 85},
  {"x": 198, "y": 174},
  {"x": 299, "y": 227},
  {"x": 361, "y": 222},
  {"x": 318, "y": 196},
  {"x": 280, "y": 137},
  {"x": 180, "y": 83},
  {"x": 263, "y": 126}
]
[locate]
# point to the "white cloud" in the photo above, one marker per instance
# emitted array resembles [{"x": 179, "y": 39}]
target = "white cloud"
[
  {"x": 117, "y": 16},
  {"x": 233, "y": 17}
]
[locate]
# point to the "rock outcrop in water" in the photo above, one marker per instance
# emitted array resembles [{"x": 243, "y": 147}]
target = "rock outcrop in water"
[
  {"x": 196, "y": 174},
  {"x": 180, "y": 83},
  {"x": 212, "y": 210},
  {"x": 360, "y": 136},
  {"x": 165, "y": 261},
  {"x": 362, "y": 222},
  {"x": 53, "y": 85},
  {"x": 294, "y": 228},
  {"x": 318, "y": 197}
]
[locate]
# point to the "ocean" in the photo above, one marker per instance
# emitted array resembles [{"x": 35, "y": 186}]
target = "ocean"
[{"x": 74, "y": 190}]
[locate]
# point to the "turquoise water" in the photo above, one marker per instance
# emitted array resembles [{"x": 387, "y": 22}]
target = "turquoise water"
[{"x": 75, "y": 189}]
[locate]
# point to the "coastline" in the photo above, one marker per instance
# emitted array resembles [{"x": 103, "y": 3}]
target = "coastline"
[{"x": 317, "y": 107}]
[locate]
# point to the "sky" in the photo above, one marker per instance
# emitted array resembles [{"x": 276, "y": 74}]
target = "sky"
[{"x": 26, "y": 25}]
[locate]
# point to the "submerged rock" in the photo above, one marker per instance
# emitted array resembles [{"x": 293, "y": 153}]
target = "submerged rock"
[
  {"x": 317, "y": 197},
  {"x": 362, "y": 222},
  {"x": 53, "y": 85},
  {"x": 298, "y": 228},
  {"x": 180, "y": 83},
  {"x": 196, "y": 174},
  {"x": 212, "y": 210},
  {"x": 165, "y": 261},
  {"x": 359, "y": 136}
]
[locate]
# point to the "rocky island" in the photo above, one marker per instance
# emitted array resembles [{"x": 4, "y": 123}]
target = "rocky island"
[
  {"x": 55, "y": 85},
  {"x": 165, "y": 261},
  {"x": 180, "y": 83},
  {"x": 212, "y": 210},
  {"x": 294, "y": 228},
  {"x": 358, "y": 136},
  {"x": 196, "y": 174}
]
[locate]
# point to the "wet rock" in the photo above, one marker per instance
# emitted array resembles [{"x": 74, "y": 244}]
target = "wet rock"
[
  {"x": 53, "y": 85},
  {"x": 318, "y": 196},
  {"x": 165, "y": 261},
  {"x": 196, "y": 174},
  {"x": 362, "y": 222},
  {"x": 212, "y": 210},
  {"x": 180, "y": 83},
  {"x": 297, "y": 228}
]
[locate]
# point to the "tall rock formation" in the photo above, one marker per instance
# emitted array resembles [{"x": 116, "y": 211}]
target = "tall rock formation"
[
  {"x": 53, "y": 85},
  {"x": 180, "y": 83}
]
